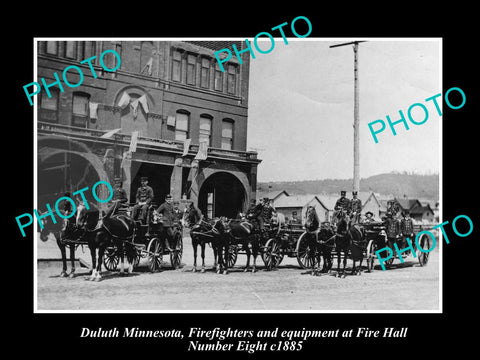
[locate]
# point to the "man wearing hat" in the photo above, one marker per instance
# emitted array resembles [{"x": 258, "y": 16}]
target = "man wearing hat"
[
  {"x": 355, "y": 208},
  {"x": 254, "y": 214},
  {"x": 267, "y": 211},
  {"x": 406, "y": 227},
  {"x": 119, "y": 198},
  {"x": 168, "y": 219},
  {"x": 368, "y": 217},
  {"x": 143, "y": 199},
  {"x": 342, "y": 204}
]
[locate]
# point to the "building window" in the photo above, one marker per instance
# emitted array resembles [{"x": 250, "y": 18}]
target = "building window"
[
  {"x": 205, "y": 73},
  {"x": 176, "y": 65},
  {"x": 52, "y": 47},
  {"x": 205, "y": 133},
  {"x": 227, "y": 134},
  {"x": 218, "y": 78},
  {"x": 71, "y": 49},
  {"x": 49, "y": 106},
  {"x": 146, "y": 57},
  {"x": 181, "y": 125},
  {"x": 191, "y": 59},
  {"x": 231, "y": 79},
  {"x": 80, "y": 110}
]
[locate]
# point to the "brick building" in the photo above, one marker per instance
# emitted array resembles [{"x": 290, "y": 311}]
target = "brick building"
[{"x": 168, "y": 92}]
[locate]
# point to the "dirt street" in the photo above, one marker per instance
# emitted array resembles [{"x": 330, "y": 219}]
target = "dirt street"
[{"x": 405, "y": 287}]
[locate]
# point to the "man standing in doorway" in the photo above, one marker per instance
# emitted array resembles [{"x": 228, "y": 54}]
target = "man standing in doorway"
[{"x": 168, "y": 218}]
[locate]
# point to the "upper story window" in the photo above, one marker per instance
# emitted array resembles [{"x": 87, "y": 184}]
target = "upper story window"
[
  {"x": 80, "y": 110},
  {"x": 71, "y": 49},
  {"x": 181, "y": 125},
  {"x": 146, "y": 57},
  {"x": 49, "y": 106},
  {"x": 176, "y": 65},
  {"x": 227, "y": 134},
  {"x": 205, "y": 132},
  {"x": 218, "y": 78},
  {"x": 51, "y": 47},
  {"x": 205, "y": 73},
  {"x": 232, "y": 79},
  {"x": 191, "y": 61}
]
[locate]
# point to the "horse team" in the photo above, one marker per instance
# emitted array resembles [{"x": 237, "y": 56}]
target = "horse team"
[{"x": 221, "y": 234}]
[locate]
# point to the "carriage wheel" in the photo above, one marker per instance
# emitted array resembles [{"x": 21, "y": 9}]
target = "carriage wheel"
[
  {"x": 155, "y": 254},
  {"x": 424, "y": 243},
  {"x": 231, "y": 255},
  {"x": 304, "y": 253},
  {"x": 176, "y": 254},
  {"x": 273, "y": 255},
  {"x": 111, "y": 259},
  {"x": 370, "y": 255}
]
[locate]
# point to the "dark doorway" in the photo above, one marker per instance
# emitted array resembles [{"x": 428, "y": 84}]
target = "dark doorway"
[
  {"x": 158, "y": 178},
  {"x": 222, "y": 194}
]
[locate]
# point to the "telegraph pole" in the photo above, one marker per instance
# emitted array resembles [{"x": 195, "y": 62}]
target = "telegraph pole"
[{"x": 356, "y": 120}]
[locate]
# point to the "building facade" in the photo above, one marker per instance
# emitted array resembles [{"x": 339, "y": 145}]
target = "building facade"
[{"x": 179, "y": 120}]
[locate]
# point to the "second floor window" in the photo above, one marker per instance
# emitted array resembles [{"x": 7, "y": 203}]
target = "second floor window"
[
  {"x": 205, "y": 132},
  {"x": 181, "y": 126},
  {"x": 205, "y": 73},
  {"x": 80, "y": 110},
  {"x": 49, "y": 106},
  {"x": 227, "y": 134},
  {"x": 218, "y": 78},
  {"x": 52, "y": 47},
  {"x": 71, "y": 49},
  {"x": 231, "y": 79}
]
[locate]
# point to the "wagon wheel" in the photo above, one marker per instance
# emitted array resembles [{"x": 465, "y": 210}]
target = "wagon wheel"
[
  {"x": 424, "y": 243},
  {"x": 111, "y": 259},
  {"x": 370, "y": 255},
  {"x": 273, "y": 255},
  {"x": 155, "y": 254},
  {"x": 176, "y": 254},
  {"x": 231, "y": 255},
  {"x": 304, "y": 253}
]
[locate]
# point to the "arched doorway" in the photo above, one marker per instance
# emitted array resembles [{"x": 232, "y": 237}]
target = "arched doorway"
[
  {"x": 66, "y": 166},
  {"x": 221, "y": 194}
]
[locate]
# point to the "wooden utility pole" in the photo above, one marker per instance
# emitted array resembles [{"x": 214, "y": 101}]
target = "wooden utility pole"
[{"x": 356, "y": 120}]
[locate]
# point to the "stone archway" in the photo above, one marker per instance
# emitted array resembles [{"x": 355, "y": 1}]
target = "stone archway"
[{"x": 66, "y": 165}]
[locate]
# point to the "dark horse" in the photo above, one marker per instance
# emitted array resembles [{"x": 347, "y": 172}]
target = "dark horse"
[
  {"x": 117, "y": 230},
  {"x": 242, "y": 231},
  {"x": 204, "y": 232},
  {"x": 320, "y": 241},
  {"x": 348, "y": 238}
]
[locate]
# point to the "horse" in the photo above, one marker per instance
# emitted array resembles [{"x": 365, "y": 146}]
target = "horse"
[
  {"x": 242, "y": 231},
  {"x": 57, "y": 229},
  {"x": 117, "y": 230},
  {"x": 206, "y": 232},
  {"x": 348, "y": 238},
  {"x": 319, "y": 237}
]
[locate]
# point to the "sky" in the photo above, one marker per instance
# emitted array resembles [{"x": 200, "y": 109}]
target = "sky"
[{"x": 301, "y": 100}]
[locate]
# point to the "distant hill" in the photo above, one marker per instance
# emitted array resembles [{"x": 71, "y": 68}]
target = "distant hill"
[{"x": 397, "y": 184}]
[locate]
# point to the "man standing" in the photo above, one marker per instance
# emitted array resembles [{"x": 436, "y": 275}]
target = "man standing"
[
  {"x": 267, "y": 211},
  {"x": 143, "y": 199},
  {"x": 406, "y": 227},
  {"x": 168, "y": 219},
  {"x": 355, "y": 208}
]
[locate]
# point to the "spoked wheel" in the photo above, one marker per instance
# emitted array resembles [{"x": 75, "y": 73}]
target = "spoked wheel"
[
  {"x": 231, "y": 255},
  {"x": 176, "y": 254},
  {"x": 425, "y": 243},
  {"x": 306, "y": 255},
  {"x": 273, "y": 256},
  {"x": 111, "y": 258},
  {"x": 155, "y": 254},
  {"x": 370, "y": 255}
]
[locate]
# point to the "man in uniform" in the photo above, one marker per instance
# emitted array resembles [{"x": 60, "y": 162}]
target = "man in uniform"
[
  {"x": 168, "y": 219},
  {"x": 143, "y": 199},
  {"x": 391, "y": 209},
  {"x": 355, "y": 208},
  {"x": 342, "y": 204},
  {"x": 267, "y": 211},
  {"x": 406, "y": 228},
  {"x": 254, "y": 214},
  {"x": 119, "y": 198}
]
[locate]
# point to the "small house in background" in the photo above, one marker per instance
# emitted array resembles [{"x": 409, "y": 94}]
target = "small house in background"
[
  {"x": 272, "y": 195},
  {"x": 329, "y": 200},
  {"x": 370, "y": 203},
  {"x": 294, "y": 207}
]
